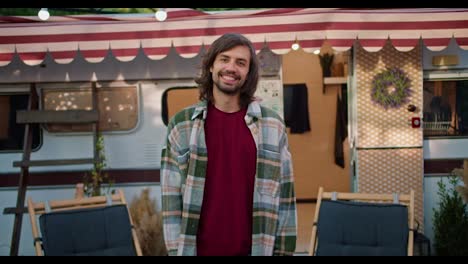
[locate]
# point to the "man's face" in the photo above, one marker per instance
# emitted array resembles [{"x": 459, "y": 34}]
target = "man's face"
[{"x": 230, "y": 69}]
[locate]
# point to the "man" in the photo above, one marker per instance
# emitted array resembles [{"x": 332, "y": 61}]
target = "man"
[{"x": 226, "y": 173}]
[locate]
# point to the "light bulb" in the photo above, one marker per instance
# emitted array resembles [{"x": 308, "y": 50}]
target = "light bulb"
[
  {"x": 43, "y": 14},
  {"x": 161, "y": 15},
  {"x": 317, "y": 51},
  {"x": 295, "y": 46}
]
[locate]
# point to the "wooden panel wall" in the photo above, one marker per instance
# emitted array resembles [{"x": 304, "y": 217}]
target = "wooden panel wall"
[
  {"x": 313, "y": 152},
  {"x": 397, "y": 163}
]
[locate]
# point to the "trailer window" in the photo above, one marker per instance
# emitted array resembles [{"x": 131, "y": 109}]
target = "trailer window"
[
  {"x": 445, "y": 110},
  {"x": 11, "y": 133},
  {"x": 177, "y": 98},
  {"x": 118, "y": 107}
]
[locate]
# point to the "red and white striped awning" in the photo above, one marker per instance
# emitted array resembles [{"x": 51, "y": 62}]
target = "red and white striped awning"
[{"x": 188, "y": 30}]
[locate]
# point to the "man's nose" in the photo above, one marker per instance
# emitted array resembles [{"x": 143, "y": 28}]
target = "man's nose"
[{"x": 231, "y": 66}]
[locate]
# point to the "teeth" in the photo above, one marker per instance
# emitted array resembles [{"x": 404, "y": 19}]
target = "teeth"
[{"x": 229, "y": 78}]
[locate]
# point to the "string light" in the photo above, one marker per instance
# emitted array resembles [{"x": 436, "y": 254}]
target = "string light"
[
  {"x": 161, "y": 14},
  {"x": 295, "y": 46},
  {"x": 43, "y": 14}
]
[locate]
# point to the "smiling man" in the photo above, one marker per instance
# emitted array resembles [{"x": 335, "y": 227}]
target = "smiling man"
[{"x": 226, "y": 173}]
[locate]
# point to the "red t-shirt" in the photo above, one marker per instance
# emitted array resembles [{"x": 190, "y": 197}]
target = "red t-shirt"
[{"x": 225, "y": 227}]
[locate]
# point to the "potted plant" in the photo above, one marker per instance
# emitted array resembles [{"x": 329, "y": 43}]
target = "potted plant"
[
  {"x": 93, "y": 183},
  {"x": 450, "y": 221}
]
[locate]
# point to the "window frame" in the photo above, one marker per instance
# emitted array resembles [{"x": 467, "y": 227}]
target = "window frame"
[
  {"x": 164, "y": 107},
  {"x": 449, "y": 75},
  {"x": 89, "y": 85},
  {"x": 21, "y": 91}
]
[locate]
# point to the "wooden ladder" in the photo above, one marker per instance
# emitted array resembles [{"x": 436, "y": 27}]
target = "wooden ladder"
[{"x": 34, "y": 116}]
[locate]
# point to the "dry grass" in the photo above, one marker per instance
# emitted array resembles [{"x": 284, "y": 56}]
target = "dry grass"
[{"x": 148, "y": 224}]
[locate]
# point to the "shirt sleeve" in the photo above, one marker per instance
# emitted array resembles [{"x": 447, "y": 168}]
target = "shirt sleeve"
[
  {"x": 286, "y": 235},
  {"x": 171, "y": 195}
]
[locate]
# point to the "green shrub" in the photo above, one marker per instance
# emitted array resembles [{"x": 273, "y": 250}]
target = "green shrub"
[{"x": 450, "y": 221}]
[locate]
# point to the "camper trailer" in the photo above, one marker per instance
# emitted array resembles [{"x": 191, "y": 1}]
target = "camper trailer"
[{"x": 135, "y": 73}]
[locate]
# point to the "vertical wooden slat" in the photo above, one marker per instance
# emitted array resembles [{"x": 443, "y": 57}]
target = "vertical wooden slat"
[
  {"x": 411, "y": 224},
  {"x": 314, "y": 224},
  {"x": 79, "y": 191},
  {"x": 34, "y": 228},
  {"x": 95, "y": 124},
  {"x": 23, "y": 180},
  {"x": 136, "y": 242}
]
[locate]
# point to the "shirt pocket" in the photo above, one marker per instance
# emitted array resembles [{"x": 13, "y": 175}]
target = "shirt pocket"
[{"x": 268, "y": 172}]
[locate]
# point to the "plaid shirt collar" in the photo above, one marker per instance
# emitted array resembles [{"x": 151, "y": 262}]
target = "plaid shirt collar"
[{"x": 253, "y": 111}]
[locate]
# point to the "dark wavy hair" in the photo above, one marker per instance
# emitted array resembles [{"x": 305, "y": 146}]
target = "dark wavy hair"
[{"x": 223, "y": 43}]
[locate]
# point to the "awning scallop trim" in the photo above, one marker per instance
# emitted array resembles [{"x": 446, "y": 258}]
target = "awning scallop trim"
[{"x": 187, "y": 30}]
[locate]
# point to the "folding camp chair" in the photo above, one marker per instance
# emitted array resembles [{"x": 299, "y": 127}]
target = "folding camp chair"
[
  {"x": 347, "y": 224},
  {"x": 98, "y": 225}
]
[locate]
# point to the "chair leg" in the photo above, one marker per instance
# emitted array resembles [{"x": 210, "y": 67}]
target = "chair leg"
[
  {"x": 32, "y": 216},
  {"x": 136, "y": 242}
]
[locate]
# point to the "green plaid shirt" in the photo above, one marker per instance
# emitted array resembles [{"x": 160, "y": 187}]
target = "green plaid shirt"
[{"x": 183, "y": 170}]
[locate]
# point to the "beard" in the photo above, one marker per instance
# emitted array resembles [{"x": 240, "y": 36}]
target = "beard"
[{"x": 228, "y": 89}]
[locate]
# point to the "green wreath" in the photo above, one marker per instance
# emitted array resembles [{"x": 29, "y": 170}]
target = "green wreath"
[{"x": 391, "y": 88}]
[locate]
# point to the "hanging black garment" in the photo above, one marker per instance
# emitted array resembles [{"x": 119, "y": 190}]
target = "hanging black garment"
[
  {"x": 296, "y": 107},
  {"x": 341, "y": 130}
]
